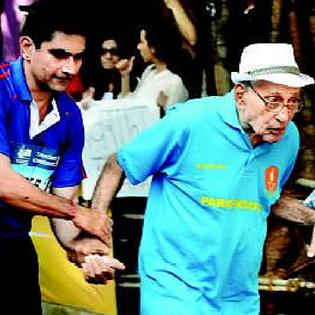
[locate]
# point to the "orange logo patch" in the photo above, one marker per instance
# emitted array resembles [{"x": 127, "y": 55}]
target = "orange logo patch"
[{"x": 271, "y": 178}]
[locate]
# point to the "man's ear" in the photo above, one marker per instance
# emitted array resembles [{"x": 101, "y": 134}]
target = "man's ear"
[
  {"x": 27, "y": 47},
  {"x": 239, "y": 90}
]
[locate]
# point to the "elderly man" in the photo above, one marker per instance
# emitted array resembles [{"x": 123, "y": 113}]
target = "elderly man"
[{"x": 218, "y": 165}]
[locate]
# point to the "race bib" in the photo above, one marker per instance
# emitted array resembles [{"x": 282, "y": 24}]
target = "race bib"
[{"x": 35, "y": 163}]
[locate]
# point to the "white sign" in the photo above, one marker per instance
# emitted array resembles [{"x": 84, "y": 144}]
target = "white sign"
[{"x": 108, "y": 125}]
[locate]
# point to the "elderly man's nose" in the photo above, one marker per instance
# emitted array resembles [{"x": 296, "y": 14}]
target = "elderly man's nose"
[{"x": 284, "y": 114}]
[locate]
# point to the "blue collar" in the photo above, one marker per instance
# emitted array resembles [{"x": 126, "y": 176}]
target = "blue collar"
[
  {"x": 229, "y": 111},
  {"x": 19, "y": 80}
]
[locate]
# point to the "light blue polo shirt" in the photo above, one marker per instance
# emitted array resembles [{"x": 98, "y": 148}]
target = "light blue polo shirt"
[{"x": 205, "y": 222}]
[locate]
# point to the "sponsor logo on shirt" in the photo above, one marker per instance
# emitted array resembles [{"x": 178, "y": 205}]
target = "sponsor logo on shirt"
[
  {"x": 35, "y": 163},
  {"x": 230, "y": 203},
  {"x": 271, "y": 178},
  {"x": 210, "y": 166}
]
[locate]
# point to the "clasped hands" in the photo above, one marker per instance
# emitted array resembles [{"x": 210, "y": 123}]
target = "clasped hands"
[{"x": 90, "y": 249}]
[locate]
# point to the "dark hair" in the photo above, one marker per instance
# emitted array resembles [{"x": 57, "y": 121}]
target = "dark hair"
[
  {"x": 165, "y": 40},
  {"x": 46, "y": 17},
  {"x": 107, "y": 34}
]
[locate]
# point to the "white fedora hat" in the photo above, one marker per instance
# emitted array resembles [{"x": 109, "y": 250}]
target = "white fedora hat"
[{"x": 273, "y": 62}]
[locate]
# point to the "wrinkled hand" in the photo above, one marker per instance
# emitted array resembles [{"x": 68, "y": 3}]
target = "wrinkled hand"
[
  {"x": 124, "y": 66},
  {"x": 99, "y": 269},
  {"x": 94, "y": 222},
  {"x": 82, "y": 246}
]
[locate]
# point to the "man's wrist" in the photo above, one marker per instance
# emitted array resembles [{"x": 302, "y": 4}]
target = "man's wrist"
[{"x": 72, "y": 209}]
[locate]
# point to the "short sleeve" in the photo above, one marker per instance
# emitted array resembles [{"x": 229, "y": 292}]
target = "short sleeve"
[
  {"x": 70, "y": 170},
  {"x": 176, "y": 91},
  {"x": 153, "y": 151}
]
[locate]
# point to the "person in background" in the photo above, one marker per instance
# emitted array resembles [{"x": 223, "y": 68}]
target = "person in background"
[
  {"x": 158, "y": 84},
  {"x": 193, "y": 21},
  {"x": 205, "y": 221},
  {"x": 104, "y": 76},
  {"x": 107, "y": 79},
  {"x": 41, "y": 142}
]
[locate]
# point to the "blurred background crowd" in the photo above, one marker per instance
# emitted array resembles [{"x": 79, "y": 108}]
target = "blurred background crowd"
[{"x": 198, "y": 40}]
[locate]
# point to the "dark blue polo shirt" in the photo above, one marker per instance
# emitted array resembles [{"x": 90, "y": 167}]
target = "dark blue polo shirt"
[{"x": 51, "y": 158}]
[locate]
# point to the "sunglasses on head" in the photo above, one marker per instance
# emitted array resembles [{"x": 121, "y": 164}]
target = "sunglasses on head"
[{"x": 113, "y": 51}]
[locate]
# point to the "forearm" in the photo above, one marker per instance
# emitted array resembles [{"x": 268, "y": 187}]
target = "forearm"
[
  {"x": 184, "y": 23},
  {"x": 124, "y": 66},
  {"x": 108, "y": 184},
  {"x": 125, "y": 85},
  {"x": 65, "y": 230},
  {"x": 69, "y": 236},
  {"x": 293, "y": 209},
  {"x": 18, "y": 192}
]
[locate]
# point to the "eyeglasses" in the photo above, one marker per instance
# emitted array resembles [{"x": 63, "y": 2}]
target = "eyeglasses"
[
  {"x": 113, "y": 51},
  {"x": 276, "y": 103}
]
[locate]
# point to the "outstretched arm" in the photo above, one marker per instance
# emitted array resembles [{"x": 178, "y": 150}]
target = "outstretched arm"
[
  {"x": 98, "y": 267},
  {"x": 79, "y": 244},
  {"x": 295, "y": 210},
  {"x": 70, "y": 236},
  {"x": 108, "y": 184},
  {"x": 85, "y": 250},
  {"x": 16, "y": 191},
  {"x": 185, "y": 26}
]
